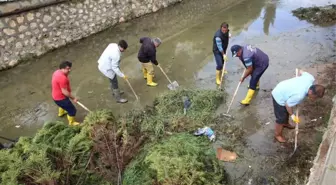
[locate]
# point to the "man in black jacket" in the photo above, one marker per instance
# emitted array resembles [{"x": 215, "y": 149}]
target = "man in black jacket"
[
  {"x": 220, "y": 44},
  {"x": 147, "y": 56}
]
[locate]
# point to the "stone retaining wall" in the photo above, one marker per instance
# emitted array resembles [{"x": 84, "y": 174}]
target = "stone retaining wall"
[
  {"x": 35, "y": 32},
  {"x": 319, "y": 166}
]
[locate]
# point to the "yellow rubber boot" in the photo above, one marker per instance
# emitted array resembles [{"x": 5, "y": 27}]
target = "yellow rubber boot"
[
  {"x": 72, "y": 121},
  {"x": 150, "y": 81},
  {"x": 144, "y": 71},
  {"x": 61, "y": 112},
  {"x": 218, "y": 76},
  {"x": 248, "y": 97}
]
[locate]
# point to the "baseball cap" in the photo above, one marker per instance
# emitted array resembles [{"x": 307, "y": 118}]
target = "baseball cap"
[{"x": 235, "y": 49}]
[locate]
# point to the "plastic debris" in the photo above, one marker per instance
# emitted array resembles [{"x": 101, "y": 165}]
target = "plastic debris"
[
  {"x": 17, "y": 126},
  {"x": 313, "y": 120},
  {"x": 225, "y": 155},
  {"x": 186, "y": 104},
  {"x": 206, "y": 131}
]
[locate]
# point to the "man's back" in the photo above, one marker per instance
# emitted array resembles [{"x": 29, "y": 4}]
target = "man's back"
[
  {"x": 110, "y": 52},
  {"x": 59, "y": 81},
  {"x": 294, "y": 90},
  {"x": 147, "y": 49}
]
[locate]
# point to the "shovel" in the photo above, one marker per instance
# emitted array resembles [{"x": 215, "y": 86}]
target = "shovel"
[
  {"x": 296, "y": 124},
  {"x": 234, "y": 95},
  {"x": 172, "y": 85},
  {"x": 5, "y": 138}
]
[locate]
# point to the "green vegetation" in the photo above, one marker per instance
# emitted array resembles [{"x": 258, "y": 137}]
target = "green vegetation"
[{"x": 141, "y": 147}]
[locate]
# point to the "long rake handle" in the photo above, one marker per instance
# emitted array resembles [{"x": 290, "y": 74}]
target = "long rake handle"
[
  {"x": 164, "y": 74},
  {"x": 83, "y": 106},
  {"x": 129, "y": 84},
  {"x": 236, "y": 91},
  {"x": 223, "y": 71},
  {"x": 297, "y": 115}
]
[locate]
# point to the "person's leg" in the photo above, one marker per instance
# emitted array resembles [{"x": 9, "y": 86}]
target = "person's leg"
[
  {"x": 150, "y": 74},
  {"x": 67, "y": 105},
  {"x": 116, "y": 91},
  {"x": 219, "y": 66},
  {"x": 282, "y": 117}
]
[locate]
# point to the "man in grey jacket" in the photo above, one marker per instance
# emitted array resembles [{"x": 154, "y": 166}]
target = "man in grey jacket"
[{"x": 109, "y": 65}]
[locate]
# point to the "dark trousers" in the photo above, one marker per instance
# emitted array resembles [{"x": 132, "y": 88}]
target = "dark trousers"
[
  {"x": 219, "y": 60},
  {"x": 114, "y": 83},
  {"x": 67, "y": 105},
  {"x": 255, "y": 76}
]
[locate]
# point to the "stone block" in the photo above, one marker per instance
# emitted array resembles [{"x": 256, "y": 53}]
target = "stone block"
[
  {"x": 9, "y": 31},
  {"x": 22, "y": 28},
  {"x": 46, "y": 18},
  {"x": 12, "y": 23},
  {"x": 20, "y": 19},
  {"x": 30, "y": 16}
]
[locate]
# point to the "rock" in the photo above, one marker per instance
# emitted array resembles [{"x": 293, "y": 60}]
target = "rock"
[
  {"x": 20, "y": 19},
  {"x": 122, "y": 19},
  {"x": 28, "y": 33},
  {"x": 2, "y": 42},
  {"x": 12, "y": 23},
  {"x": 1, "y": 24},
  {"x": 46, "y": 19},
  {"x": 12, "y": 63},
  {"x": 10, "y": 40},
  {"x": 58, "y": 18},
  {"x": 38, "y": 14},
  {"x": 33, "y": 41},
  {"x": 9, "y": 31},
  {"x": 22, "y": 28},
  {"x": 33, "y": 25},
  {"x": 30, "y": 16},
  {"x": 21, "y": 36},
  {"x": 18, "y": 45}
]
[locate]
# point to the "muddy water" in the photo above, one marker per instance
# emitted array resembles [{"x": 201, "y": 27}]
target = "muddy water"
[{"x": 187, "y": 30}]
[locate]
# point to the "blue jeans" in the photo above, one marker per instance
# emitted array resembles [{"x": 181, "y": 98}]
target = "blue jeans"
[
  {"x": 256, "y": 75},
  {"x": 67, "y": 105},
  {"x": 219, "y": 60}
]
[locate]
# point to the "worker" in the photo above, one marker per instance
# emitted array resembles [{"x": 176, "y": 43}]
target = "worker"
[
  {"x": 290, "y": 93},
  {"x": 147, "y": 57},
  {"x": 255, "y": 62},
  {"x": 109, "y": 65},
  {"x": 220, "y": 44},
  {"x": 61, "y": 92}
]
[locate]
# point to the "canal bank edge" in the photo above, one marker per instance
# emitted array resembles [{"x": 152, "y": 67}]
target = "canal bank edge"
[
  {"x": 319, "y": 172},
  {"x": 35, "y": 32}
]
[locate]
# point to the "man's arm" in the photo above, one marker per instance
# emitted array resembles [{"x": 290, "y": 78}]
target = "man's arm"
[
  {"x": 249, "y": 68},
  {"x": 115, "y": 67},
  {"x": 63, "y": 84},
  {"x": 219, "y": 45},
  {"x": 152, "y": 54},
  {"x": 68, "y": 94}
]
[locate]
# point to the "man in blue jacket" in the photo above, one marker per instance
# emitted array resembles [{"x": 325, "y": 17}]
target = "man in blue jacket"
[
  {"x": 147, "y": 57},
  {"x": 220, "y": 44},
  {"x": 290, "y": 93},
  {"x": 255, "y": 62}
]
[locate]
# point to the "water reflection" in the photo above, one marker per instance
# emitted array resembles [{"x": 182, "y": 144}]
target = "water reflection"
[{"x": 269, "y": 15}]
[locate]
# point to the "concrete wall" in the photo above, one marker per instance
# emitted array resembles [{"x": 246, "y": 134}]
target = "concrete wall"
[
  {"x": 37, "y": 31},
  {"x": 317, "y": 172}
]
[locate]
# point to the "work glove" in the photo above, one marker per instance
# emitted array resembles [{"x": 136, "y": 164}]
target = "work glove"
[
  {"x": 125, "y": 77},
  {"x": 295, "y": 119},
  {"x": 225, "y": 58}
]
